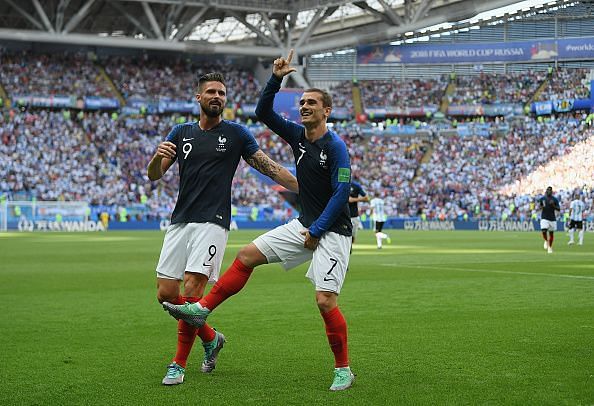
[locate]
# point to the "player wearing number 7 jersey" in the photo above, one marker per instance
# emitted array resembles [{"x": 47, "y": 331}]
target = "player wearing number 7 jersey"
[
  {"x": 322, "y": 233},
  {"x": 208, "y": 153}
]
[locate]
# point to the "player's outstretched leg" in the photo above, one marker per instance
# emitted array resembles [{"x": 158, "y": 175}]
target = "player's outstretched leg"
[
  {"x": 192, "y": 313},
  {"x": 211, "y": 352}
]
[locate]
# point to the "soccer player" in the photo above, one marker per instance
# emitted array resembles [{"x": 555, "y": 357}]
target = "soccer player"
[
  {"x": 379, "y": 217},
  {"x": 576, "y": 219},
  {"x": 548, "y": 221},
  {"x": 322, "y": 233},
  {"x": 208, "y": 153},
  {"x": 356, "y": 195}
]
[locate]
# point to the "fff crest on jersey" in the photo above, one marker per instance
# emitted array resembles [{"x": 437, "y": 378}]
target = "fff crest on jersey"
[
  {"x": 323, "y": 158},
  {"x": 222, "y": 147}
]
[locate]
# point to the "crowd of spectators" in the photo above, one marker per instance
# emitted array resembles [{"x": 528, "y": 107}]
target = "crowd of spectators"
[
  {"x": 495, "y": 176},
  {"x": 342, "y": 95},
  {"x": 448, "y": 174},
  {"x": 91, "y": 157},
  {"x": 567, "y": 84},
  {"x": 63, "y": 74},
  {"x": 52, "y": 155},
  {"x": 403, "y": 93},
  {"x": 487, "y": 88},
  {"x": 177, "y": 79}
]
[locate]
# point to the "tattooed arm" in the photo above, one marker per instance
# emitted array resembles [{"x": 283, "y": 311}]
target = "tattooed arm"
[{"x": 278, "y": 173}]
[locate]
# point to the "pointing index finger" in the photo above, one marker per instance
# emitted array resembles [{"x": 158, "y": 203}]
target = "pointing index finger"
[{"x": 290, "y": 56}]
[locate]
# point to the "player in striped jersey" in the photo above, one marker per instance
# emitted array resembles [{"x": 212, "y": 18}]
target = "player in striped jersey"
[
  {"x": 576, "y": 219},
  {"x": 378, "y": 214}
]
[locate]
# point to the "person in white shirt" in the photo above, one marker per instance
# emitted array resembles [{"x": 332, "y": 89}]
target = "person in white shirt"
[
  {"x": 576, "y": 219},
  {"x": 378, "y": 215}
]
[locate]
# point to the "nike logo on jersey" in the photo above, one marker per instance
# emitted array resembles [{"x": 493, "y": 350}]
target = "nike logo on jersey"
[
  {"x": 187, "y": 139},
  {"x": 203, "y": 264},
  {"x": 328, "y": 279}
]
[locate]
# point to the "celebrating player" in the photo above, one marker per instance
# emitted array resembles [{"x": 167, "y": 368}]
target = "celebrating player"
[
  {"x": 322, "y": 233},
  {"x": 576, "y": 219},
  {"x": 548, "y": 221},
  {"x": 208, "y": 153},
  {"x": 356, "y": 195}
]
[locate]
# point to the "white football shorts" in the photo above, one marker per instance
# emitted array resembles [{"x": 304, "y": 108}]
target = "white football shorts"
[
  {"x": 329, "y": 261},
  {"x": 548, "y": 225},
  {"x": 192, "y": 247}
]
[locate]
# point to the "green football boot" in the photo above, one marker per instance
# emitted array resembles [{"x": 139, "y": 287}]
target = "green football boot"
[
  {"x": 211, "y": 352},
  {"x": 343, "y": 379},
  {"x": 192, "y": 313},
  {"x": 175, "y": 375}
]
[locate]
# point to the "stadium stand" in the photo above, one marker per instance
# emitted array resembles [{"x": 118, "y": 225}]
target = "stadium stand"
[
  {"x": 155, "y": 78},
  {"x": 486, "y": 88},
  {"x": 435, "y": 161},
  {"x": 51, "y": 74}
]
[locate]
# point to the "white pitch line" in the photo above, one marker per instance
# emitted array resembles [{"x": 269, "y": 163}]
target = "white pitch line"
[{"x": 555, "y": 275}]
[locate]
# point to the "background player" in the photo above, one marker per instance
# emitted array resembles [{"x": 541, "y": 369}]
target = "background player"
[
  {"x": 576, "y": 219},
  {"x": 548, "y": 221},
  {"x": 322, "y": 233},
  {"x": 378, "y": 214},
  {"x": 356, "y": 195},
  {"x": 208, "y": 153}
]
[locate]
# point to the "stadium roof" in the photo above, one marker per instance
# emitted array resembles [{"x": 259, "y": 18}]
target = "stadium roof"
[{"x": 240, "y": 27}]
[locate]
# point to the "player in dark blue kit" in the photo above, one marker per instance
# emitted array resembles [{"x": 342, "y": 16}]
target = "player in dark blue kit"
[
  {"x": 207, "y": 153},
  {"x": 548, "y": 221},
  {"x": 322, "y": 233},
  {"x": 356, "y": 195}
]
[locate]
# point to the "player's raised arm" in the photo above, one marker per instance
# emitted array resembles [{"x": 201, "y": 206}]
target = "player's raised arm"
[
  {"x": 288, "y": 130},
  {"x": 278, "y": 173}
]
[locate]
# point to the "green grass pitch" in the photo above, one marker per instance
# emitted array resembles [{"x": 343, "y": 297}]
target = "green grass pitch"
[{"x": 434, "y": 318}]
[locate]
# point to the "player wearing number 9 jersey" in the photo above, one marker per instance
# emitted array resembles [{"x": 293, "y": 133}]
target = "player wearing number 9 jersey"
[
  {"x": 322, "y": 234},
  {"x": 207, "y": 153}
]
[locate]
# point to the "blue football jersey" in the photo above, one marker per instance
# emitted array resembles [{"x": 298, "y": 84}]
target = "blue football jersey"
[{"x": 207, "y": 163}]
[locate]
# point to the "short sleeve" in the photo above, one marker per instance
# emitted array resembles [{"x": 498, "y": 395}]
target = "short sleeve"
[
  {"x": 250, "y": 145},
  {"x": 173, "y": 134}
]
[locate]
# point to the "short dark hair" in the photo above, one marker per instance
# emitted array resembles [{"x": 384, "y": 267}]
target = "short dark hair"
[
  {"x": 210, "y": 77},
  {"x": 326, "y": 98}
]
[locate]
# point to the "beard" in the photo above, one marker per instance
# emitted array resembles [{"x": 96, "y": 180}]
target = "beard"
[{"x": 211, "y": 111}]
